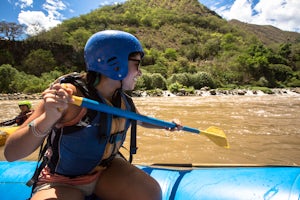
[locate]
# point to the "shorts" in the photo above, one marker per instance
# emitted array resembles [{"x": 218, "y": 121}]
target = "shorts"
[{"x": 86, "y": 189}]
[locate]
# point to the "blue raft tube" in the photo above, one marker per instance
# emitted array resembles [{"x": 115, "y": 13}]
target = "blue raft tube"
[{"x": 203, "y": 182}]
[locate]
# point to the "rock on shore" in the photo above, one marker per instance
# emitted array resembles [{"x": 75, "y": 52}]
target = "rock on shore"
[
  {"x": 219, "y": 92},
  {"x": 20, "y": 96},
  {"x": 202, "y": 92}
]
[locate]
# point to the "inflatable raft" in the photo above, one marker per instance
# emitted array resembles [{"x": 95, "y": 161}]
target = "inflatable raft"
[
  {"x": 5, "y": 132},
  {"x": 208, "y": 183}
]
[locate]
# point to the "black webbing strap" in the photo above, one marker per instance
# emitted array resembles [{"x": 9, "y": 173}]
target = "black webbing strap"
[
  {"x": 39, "y": 168},
  {"x": 133, "y": 147}
]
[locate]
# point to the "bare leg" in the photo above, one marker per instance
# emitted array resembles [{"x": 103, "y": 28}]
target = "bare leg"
[
  {"x": 123, "y": 181},
  {"x": 59, "y": 193}
]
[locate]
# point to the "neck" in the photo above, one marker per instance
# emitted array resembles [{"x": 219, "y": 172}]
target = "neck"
[{"x": 107, "y": 87}]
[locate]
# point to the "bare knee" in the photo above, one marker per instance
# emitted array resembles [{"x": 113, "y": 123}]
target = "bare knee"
[
  {"x": 129, "y": 182},
  {"x": 153, "y": 189}
]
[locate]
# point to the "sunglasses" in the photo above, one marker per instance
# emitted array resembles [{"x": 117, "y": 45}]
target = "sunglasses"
[
  {"x": 135, "y": 60},
  {"x": 138, "y": 62}
]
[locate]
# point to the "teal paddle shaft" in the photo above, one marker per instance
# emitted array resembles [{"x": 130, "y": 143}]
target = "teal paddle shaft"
[{"x": 95, "y": 105}]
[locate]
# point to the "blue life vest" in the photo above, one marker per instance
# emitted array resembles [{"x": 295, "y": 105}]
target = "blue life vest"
[{"x": 78, "y": 149}]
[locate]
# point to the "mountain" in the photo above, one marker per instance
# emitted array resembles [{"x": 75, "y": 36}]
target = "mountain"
[
  {"x": 157, "y": 23},
  {"x": 267, "y": 34},
  {"x": 179, "y": 37},
  {"x": 162, "y": 24}
]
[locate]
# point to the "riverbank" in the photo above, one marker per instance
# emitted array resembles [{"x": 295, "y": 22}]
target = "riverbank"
[
  {"x": 218, "y": 92},
  {"x": 153, "y": 93}
]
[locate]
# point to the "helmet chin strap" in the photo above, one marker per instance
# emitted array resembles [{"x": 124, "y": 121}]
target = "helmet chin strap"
[{"x": 121, "y": 81}]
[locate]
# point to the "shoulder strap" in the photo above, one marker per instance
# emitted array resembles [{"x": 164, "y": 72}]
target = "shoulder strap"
[
  {"x": 41, "y": 163},
  {"x": 76, "y": 79},
  {"x": 133, "y": 147}
]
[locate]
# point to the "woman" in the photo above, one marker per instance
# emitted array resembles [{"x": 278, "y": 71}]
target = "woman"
[{"x": 81, "y": 155}]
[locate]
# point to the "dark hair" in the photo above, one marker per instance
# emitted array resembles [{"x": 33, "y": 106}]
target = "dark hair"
[{"x": 92, "y": 79}]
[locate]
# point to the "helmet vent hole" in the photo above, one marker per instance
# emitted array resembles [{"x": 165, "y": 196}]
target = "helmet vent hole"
[
  {"x": 117, "y": 69},
  {"x": 112, "y": 59}
]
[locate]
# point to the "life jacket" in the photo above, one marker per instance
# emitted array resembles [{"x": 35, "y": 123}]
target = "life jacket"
[
  {"x": 94, "y": 140},
  {"x": 22, "y": 117}
]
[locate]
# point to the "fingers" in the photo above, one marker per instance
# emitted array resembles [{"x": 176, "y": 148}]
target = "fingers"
[
  {"x": 60, "y": 92},
  {"x": 57, "y": 98},
  {"x": 177, "y": 127}
]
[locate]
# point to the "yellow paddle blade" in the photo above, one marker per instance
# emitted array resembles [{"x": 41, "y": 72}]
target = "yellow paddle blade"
[
  {"x": 216, "y": 135},
  {"x": 5, "y": 132},
  {"x": 9, "y": 130}
]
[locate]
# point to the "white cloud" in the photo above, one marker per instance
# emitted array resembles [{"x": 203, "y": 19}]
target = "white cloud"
[
  {"x": 53, "y": 7},
  {"x": 241, "y": 9},
  {"x": 284, "y": 14},
  {"x": 37, "y": 21},
  {"x": 24, "y": 3},
  {"x": 111, "y": 2}
]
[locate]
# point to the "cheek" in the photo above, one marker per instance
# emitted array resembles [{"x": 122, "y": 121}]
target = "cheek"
[
  {"x": 132, "y": 72},
  {"x": 128, "y": 77},
  {"x": 131, "y": 77}
]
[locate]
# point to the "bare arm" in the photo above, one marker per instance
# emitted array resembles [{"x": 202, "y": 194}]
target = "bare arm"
[
  {"x": 27, "y": 139},
  {"x": 152, "y": 126}
]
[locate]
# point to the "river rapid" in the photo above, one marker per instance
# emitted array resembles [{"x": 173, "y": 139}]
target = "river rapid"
[{"x": 261, "y": 130}]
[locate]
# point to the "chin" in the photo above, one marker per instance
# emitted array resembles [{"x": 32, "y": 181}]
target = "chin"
[{"x": 128, "y": 88}]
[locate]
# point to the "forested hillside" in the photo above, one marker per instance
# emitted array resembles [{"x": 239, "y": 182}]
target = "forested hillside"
[{"x": 186, "y": 44}]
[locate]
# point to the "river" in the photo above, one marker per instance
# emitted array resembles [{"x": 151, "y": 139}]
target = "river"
[{"x": 261, "y": 130}]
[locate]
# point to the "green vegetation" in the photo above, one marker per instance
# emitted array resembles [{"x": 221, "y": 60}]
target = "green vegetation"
[
  {"x": 187, "y": 47},
  {"x": 13, "y": 81}
]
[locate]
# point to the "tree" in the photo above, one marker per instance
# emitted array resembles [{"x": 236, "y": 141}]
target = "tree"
[
  {"x": 7, "y": 75},
  {"x": 79, "y": 37},
  {"x": 285, "y": 50},
  {"x": 11, "y": 30},
  {"x": 39, "y": 61},
  {"x": 6, "y": 57},
  {"x": 170, "y": 54}
]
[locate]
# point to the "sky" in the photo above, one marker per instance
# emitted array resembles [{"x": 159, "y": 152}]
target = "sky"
[{"x": 38, "y": 15}]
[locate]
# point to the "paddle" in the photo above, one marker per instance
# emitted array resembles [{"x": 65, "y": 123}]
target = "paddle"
[
  {"x": 213, "y": 133},
  {"x": 8, "y": 122}
]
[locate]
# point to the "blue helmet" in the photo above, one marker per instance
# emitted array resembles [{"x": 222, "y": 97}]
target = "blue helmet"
[{"x": 107, "y": 52}]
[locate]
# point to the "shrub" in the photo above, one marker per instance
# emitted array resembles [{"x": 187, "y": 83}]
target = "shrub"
[
  {"x": 202, "y": 79},
  {"x": 182, "y": 78},
  {"x": 151, "y": 81},
  {"x": 158, "y": 81},
  {"x": 294, "y": 82},
  {"x": 175, "y": 87}
]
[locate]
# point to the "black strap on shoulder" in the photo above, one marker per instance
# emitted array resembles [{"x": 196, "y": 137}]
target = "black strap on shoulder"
[
  {"x": 40, "y": 165},
  {"x": 133, "y": 147},
  {"x": 77, "y": 80}
]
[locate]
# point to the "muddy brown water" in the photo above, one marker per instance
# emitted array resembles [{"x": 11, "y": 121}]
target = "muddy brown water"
[{"x": 261, "y": 129}]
